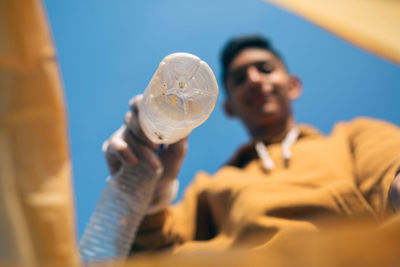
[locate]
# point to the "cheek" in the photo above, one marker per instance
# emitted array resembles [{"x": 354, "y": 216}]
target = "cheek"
[
  {"x": 238, "y": 94},
  {"x": 279, "y": 78},
  {"x": 283, "y": 97},
  {"x": 281, "y": 85}
]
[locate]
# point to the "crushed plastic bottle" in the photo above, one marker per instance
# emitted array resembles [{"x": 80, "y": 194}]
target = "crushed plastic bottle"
[
  {"x": 121, "y": 208},
  {"x": 180, "y": 96}
]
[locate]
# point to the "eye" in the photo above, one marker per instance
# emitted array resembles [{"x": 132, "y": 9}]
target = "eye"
[
  {"x": 265, "y": 67},
  {"x": 239, "y": 79}
]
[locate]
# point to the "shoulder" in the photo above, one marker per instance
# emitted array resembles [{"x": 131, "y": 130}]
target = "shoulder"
[
  {"x": 369, "y": 122},
  {"x": 367, "y": 131},
  {"x": 365, "y": 124}
]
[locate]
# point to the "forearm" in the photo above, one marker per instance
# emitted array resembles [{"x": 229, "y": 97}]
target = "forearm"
[{"x": 153, "y": 232}]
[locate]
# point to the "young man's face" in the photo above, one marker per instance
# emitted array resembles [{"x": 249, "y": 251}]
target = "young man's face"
[{"x": 260, "y": 90}]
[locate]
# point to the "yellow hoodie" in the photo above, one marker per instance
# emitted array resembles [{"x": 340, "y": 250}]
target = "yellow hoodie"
[{"x": 345, "y": 175}]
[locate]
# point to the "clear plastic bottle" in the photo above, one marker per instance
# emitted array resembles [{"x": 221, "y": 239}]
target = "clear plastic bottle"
[
  {"x": 121, "y": 208},
  {"x": 180, "y": 96}
]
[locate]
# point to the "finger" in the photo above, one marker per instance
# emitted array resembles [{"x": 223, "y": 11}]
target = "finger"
[
  {"x": 142, "y": 151},
  {"x": 135, "y": 102},
  {"x": 176, "y": 150},
  {"x": 172, "y": 158},
  {"x": 118, "y": 147},
  {"x": 133, "y": 125},
  {"x": 113, "y": 162}
]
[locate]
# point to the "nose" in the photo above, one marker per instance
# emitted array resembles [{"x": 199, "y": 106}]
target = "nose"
[{"x": 253, "y": 76}]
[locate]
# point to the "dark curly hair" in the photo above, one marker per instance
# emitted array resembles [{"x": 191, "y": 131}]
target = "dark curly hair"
[{"x": 235, "y": 45}]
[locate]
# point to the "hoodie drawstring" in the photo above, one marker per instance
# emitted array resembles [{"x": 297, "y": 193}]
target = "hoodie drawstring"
[{"x": 266, "y": 159}]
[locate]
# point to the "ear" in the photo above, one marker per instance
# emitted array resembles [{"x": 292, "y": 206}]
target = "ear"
[
  {"x": 229, "y": 111},
  {"x": 296, "y": 88}
]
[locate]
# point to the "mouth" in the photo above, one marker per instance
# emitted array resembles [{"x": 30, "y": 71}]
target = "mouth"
[{"x": 259, "y": 98}]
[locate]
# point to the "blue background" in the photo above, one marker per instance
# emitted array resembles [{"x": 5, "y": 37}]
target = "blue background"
[{"x": 109, "y": 50}]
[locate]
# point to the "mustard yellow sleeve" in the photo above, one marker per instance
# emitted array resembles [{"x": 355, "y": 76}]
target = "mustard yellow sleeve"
[
  {"x": 187, "y": 220},
  {"x": 375, "y": 145}
]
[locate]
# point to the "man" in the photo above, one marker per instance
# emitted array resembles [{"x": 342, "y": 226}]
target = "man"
[{"x": 288, "y": 179}]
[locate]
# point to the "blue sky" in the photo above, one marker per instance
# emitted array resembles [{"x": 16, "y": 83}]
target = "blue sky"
[{"x": 109, "y": 50}]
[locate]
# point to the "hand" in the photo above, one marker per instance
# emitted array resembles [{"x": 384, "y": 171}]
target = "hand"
[{"x": 129, "y": 146}]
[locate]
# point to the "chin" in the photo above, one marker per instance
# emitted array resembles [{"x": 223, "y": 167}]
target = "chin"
[{"x": 269, "y": 118}]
